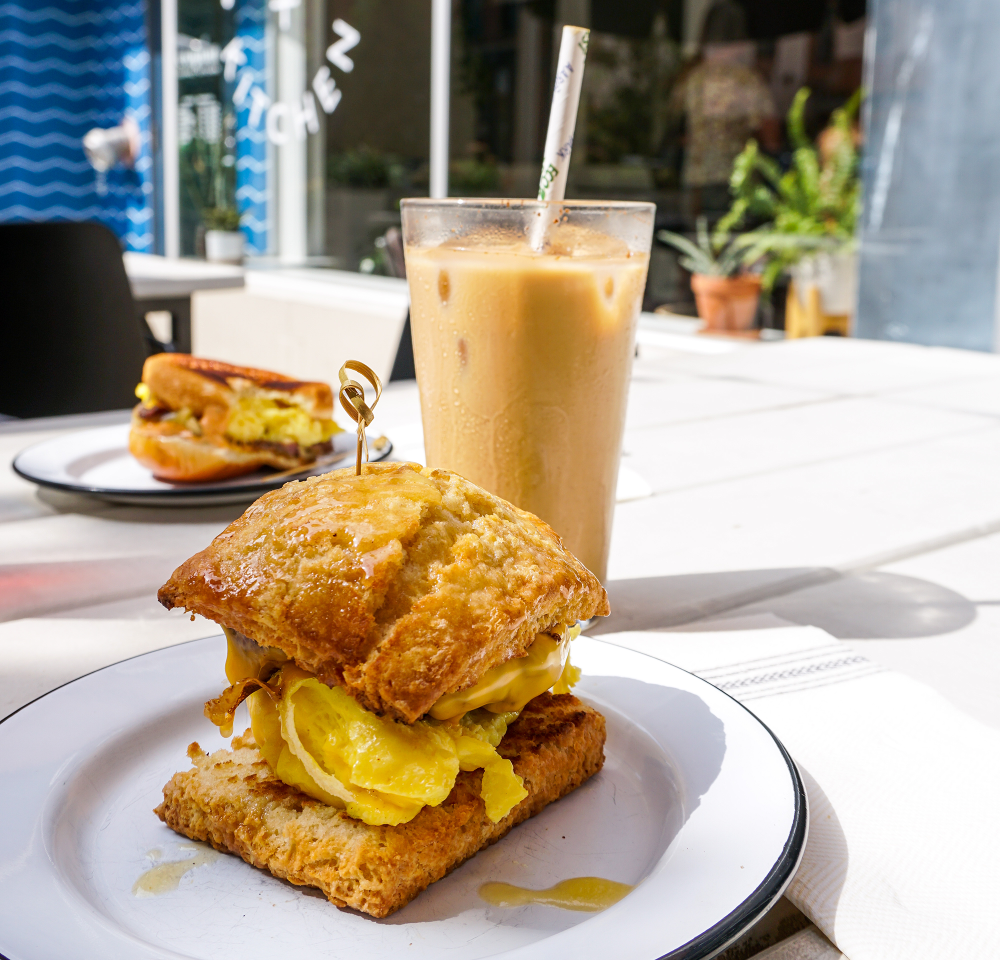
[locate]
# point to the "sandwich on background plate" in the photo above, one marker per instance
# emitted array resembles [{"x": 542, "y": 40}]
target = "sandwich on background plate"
[
  {"x": 402, "y": 642},
  {"x": 202, "y": 420}
]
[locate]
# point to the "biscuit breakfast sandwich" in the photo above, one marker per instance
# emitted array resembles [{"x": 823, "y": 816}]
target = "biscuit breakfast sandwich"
[
  {"x": 202, "y": 420},
  {"x": 401, "y": 640}
]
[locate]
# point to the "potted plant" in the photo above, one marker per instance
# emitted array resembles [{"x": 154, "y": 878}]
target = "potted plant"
[
  {"x": 360, "y": 202},
  {"x": 725, "y": 293},
  {"x": 810, "y": 215},
  {"x": 208, "y": 176},
  {"x": 223, "y": 237}
]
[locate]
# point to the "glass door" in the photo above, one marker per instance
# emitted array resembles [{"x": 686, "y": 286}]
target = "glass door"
[{"x": 301, "y": 123}]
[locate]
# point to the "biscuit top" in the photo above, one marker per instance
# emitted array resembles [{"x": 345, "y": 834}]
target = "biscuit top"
[
  {"x": 181, "y": 380},
  {"x": 400, "y": 585}
]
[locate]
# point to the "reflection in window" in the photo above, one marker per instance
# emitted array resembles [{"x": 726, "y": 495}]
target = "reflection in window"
[
  {"x": 206, "y": 125},
  {"x": 672, "y": 91},
  {"x": 377, "y": 141},
  {"x": 302, "y": 123},
  {"x": 307, "y": 120}
]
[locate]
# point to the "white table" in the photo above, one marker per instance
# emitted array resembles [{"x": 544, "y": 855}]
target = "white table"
[
  {"x": 163, "y": 284},
  {"x": 154, "y": 277},
  {"x": 847, "y": 484}
]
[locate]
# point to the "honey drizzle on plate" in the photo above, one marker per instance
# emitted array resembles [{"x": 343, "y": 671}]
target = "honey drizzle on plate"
[
  {"x": 589, "y": 894},
  {"x": 166, "y": 876}
]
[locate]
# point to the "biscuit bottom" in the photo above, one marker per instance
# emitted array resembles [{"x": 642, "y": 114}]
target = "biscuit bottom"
[{"x": 231, "y": 799}]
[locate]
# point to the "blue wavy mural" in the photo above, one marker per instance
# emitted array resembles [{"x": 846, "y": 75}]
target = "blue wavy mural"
[
  {"x": 63, "y": 70},
  {"x": 251, "y": 142}
]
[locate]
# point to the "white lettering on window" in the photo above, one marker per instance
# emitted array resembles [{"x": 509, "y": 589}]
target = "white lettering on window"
[
  {"x": 284, "y": 8},
  {"x": 259, "y": 102},
  {"x": 306, "y": 118},
  {"x": 336, "y": 53},
  {"x": 277, "y": 123},
  {"x": 242, "y": 90},
  {"x": 232, "y": 56},
  {"x": 326, "y": 89}
]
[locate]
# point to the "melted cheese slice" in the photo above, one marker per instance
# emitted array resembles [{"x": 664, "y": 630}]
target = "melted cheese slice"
[
  {"x": 511, "y": 685},
  {"x": 244, "y": 658},
  {"x": 320, "y": 740}
]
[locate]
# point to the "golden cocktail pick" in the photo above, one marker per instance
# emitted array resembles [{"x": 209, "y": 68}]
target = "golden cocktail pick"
[{"x": 352, "y": 399}]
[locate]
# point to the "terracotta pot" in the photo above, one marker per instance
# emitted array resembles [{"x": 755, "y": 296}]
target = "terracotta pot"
[{"x": 726, "y": 303}]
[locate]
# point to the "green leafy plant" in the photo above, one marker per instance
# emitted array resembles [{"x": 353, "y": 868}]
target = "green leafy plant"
[
  {"x": 364, "y": 167},
  {"x": 716, "y": 254},
  {"x": 210, "y": 183},
  {"x": 221, "y": 218},
  {"x": 812, "y": 207},
  {"x": 473, "y": 174}
]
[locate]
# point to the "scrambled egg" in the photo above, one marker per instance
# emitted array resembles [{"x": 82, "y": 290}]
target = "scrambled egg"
[
  {"x": 262, "y": 418},
  {"x": 254, "y": 418},
  {"x": 321, "y": 741},
  {"x": 318, "y": 739}
]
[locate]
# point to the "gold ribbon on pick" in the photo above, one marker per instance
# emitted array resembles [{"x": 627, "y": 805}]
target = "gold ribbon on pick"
[{"x": 352, "y": 399}]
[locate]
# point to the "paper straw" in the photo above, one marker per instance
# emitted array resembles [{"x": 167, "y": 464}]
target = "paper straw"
[{"x": 562, "y": 118}]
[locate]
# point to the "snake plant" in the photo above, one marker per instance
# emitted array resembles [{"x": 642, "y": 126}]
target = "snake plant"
[{"x": 715, "y": 254}]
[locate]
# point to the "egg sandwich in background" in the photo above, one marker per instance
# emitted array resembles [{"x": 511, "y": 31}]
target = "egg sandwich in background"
[
  {"x": 206, "y": 420},
  {"x": 401, "y": 639}
]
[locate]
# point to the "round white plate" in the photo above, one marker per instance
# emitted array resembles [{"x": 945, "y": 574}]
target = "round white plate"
[
  {"x": 97, "y": 462},
  {"x": 698, "y": 805}
]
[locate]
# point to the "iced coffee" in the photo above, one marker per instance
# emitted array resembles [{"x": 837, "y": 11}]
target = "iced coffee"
[{"x": 523, "y": 343}]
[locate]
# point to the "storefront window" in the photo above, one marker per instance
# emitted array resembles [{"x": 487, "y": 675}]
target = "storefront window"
[
  {"x": 205, "y": 123},
  {"x": 305, "y": 121},
  {"x": 672, "y": 91},
  {"x": 223, "y": 163},
  {"x": 302, "y": 123}
]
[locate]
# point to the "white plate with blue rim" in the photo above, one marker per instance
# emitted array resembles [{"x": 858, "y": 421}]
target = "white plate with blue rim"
[
  {"x": 698, "y": 808},
  {"x": 96, "y": 462}
]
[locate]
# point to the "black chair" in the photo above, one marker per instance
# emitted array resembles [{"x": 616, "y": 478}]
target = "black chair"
[
  {"x": 402, "y": 367},
  {"x": 70, "y": 339}
]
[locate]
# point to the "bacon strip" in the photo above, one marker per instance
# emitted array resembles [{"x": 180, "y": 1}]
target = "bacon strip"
[{"x": 222, "y": 709}]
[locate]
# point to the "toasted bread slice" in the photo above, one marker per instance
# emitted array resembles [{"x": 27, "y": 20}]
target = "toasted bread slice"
[
  {"x": 231, "y": 799},
  {"x": 180, "y": 380},
  {"x": 174, "y": 455},
  {"x": 400, "y": 585},
  {"x": 184, "y": 428}
]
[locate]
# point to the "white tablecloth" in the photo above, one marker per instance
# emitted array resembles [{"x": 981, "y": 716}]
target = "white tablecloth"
[
  {"x": 902, "y": 861},
  {"x": 843, "y": 484}
]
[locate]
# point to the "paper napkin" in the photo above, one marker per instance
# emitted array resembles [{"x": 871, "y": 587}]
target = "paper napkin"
[{"x": 903, "y": 856}]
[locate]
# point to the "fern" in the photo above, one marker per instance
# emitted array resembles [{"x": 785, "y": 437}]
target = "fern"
[
  {"x": 796, "y": 120},
  {"x": 736, "y": 214},
  {"x": 807, "y": 167},
  {"x": 810, "y": 207}
]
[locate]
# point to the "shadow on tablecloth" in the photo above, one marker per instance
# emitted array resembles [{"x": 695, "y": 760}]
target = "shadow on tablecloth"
[{"x": 857, "y": 606}]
